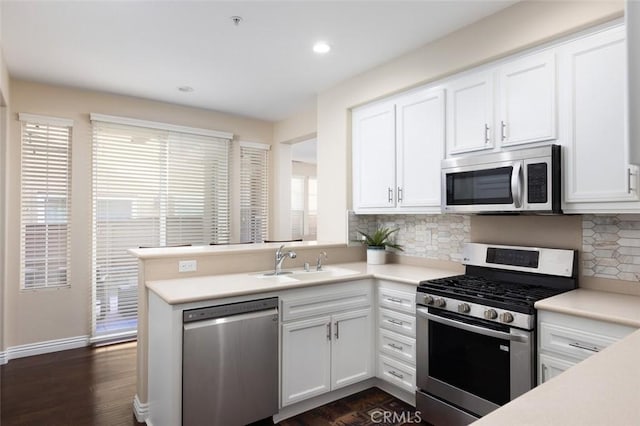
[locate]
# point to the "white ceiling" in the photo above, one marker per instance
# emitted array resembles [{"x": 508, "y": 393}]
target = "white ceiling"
[{"x": 263, "y": 68}]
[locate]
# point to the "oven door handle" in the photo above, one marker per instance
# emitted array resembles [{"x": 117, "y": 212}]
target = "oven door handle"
[{"x": 472, "y": 328}]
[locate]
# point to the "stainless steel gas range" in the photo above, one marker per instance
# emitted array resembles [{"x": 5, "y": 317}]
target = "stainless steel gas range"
[{"x": 476, "y": 335}]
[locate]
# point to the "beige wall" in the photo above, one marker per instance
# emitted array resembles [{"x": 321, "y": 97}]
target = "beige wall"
[
  {"x": 298, "y": 168},
  {"x": 523, "y": 25},
  {"x": 35, "y": 316},
  {"x": 297, "y": 128}
]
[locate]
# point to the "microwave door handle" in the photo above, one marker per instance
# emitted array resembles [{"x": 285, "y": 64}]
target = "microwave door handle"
[
  {"x": 472, "y": 328},
  {"x": 516, "y": 184}
]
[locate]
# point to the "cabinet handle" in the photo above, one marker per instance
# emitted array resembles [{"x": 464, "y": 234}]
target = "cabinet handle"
[
  {"x": 394, "y": 346},
  {"x": 503, "y": 126},
  {"x": 544, "y": 373},
  {"x": 390, "y": 194},
  {"x": 398, "y": 375},
  {"x": 399, "y": 194},
  {"x": 585, "y": 347},
  {"x": 329, "y": 331},
  {"x": 396, "y": 322},
  {"x": 486, "y": 133},
  {"x": 337, "y": 330},
  {"x": 629, "y": 174},
  {"x": 394, "y": 300}
]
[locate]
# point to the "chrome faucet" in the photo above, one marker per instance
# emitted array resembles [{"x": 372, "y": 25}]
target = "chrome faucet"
[
  {"x": 280, "y": 256},
  {"x": 323, "y": 254}
]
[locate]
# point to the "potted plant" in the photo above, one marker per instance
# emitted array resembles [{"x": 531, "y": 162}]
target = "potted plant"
[{"x": 377, "y": 243}]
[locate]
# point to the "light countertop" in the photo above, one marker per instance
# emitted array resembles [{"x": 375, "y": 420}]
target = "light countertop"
[
  {"x": 185, "y": 290},
  {"x": 601, "y": 390},
  {"x": 599, "y": 305}
]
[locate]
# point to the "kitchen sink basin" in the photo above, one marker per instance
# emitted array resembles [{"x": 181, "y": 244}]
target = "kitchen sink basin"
[{"x": 302, "y": 275}]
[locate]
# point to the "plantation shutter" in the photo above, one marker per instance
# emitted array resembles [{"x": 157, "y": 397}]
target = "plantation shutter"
[
  {"x": 153, "y": 185},
  {"x": 45, "y": 202},
  {"x": 254, "y": 192}
]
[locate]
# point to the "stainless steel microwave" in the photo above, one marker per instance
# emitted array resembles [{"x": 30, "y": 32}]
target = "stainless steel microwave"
[{"x": 519, "y": 181}]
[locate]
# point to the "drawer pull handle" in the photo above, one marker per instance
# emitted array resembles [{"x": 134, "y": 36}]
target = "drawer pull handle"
[
  {"x": 394, "y": 374},
  {"x": 329, "y": 331},
  {"x": 394, "y": 346},
  {"x": 396, "y": 322},
  {"x": 394, "y": 300},
  {"x": 585, "y": 347}
]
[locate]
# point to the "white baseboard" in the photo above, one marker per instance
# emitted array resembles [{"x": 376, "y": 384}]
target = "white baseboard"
[
  {"x": 141, "y": 410},
  {"x": 46, "y": 347},
  {"x": 3, "y": 358}
]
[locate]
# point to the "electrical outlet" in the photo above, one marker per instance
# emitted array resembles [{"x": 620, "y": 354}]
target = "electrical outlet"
[{"x": 187, "y": 266}]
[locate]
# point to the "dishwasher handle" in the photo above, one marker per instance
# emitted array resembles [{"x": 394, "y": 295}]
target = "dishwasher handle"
[{"x": 231, "y": 319}]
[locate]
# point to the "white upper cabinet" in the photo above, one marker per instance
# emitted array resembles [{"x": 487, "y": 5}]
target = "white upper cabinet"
[
  {"x": 374, "y": 156},
  {"x": 527, "y": 100},
  {"x": 523, "y": 98},
  {"x": 594, "y": 129},
  {"x": 398, "y": 145},
  {"x": 470, "y": 113},
  {"x": 420, "y": 148}
]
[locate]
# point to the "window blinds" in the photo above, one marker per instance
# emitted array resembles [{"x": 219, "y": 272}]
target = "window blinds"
[
  {"x": 151, "y": 187},
  {"x": 45, "y": 202},
  {"x": 254, "y": 192}
]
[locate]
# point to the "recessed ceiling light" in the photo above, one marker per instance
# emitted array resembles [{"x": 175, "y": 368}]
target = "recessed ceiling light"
[
  {"x": 185, "y": 89},
  {"x": 321, "y": 47}
]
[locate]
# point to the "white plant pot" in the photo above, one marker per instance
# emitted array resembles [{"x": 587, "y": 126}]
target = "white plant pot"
[{"x": 376, "y": 256}]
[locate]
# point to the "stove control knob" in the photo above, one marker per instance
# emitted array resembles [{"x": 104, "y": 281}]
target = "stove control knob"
[
  {"x": 428, "y": 300},
  {"x": 506, "y": 317},
  {"x": 464, "y": 308},
  {"x": 490, "y": 314},
  {"x": 440, "y": 302}
]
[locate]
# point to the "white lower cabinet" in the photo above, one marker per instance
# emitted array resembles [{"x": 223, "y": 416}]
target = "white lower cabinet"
[
  {"x": 306, "y": 359},
  {"x": 397, "y": 334},
  {"x": 551, "y": 366},
  {"x": 565, "y": 340},
  {"x": 329, "y": 351}
]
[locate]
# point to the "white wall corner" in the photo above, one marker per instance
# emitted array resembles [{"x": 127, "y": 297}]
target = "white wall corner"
[
  {"x": 140, "y": 410},
  {"x": 46, "y": 347}
]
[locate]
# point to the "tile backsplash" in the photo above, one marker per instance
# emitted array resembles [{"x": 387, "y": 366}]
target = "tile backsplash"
[
  {"x": 431, "y": 236},
  {"x": 611, "y": 246},
  {"x": 610, "y": 243}
]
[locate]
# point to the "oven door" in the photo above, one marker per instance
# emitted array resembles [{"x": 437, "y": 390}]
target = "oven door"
[
  {"x": 480, "y": 188},
  {"x": 473, "y": 364}
]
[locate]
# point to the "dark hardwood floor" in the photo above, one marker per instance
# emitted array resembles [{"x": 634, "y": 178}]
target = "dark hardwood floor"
[
  {"x": 96, "y": 386},
  {"x": 86, "y": 386}
]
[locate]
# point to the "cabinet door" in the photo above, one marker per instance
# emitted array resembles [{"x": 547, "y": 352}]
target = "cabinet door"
[
  {"x": 594, "y": 119},
  {"x": 550, "y": 367},
  {"x": 420, "y": 148},
  {"x": 352, "y": 349},
  {"x": 527, "y": 100},
  {"x": 374, "y": 157},
  {"x": 306, "y": 359},
  {"x": 470, "y": 113}
]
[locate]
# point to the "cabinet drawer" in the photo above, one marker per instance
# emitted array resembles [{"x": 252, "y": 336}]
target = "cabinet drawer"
[
  {"x": 398, "y": 346},
  {"x": 576, "y": 343},
  {"x": 399, "y": 300},
  {"x": 398, "y": 373},
  {"x": 398, "y": 322},
  {"x": 324, "y": 303}
]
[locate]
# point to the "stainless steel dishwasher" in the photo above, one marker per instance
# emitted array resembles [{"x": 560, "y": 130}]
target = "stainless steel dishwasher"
[{"x": 230, "y": 363}]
